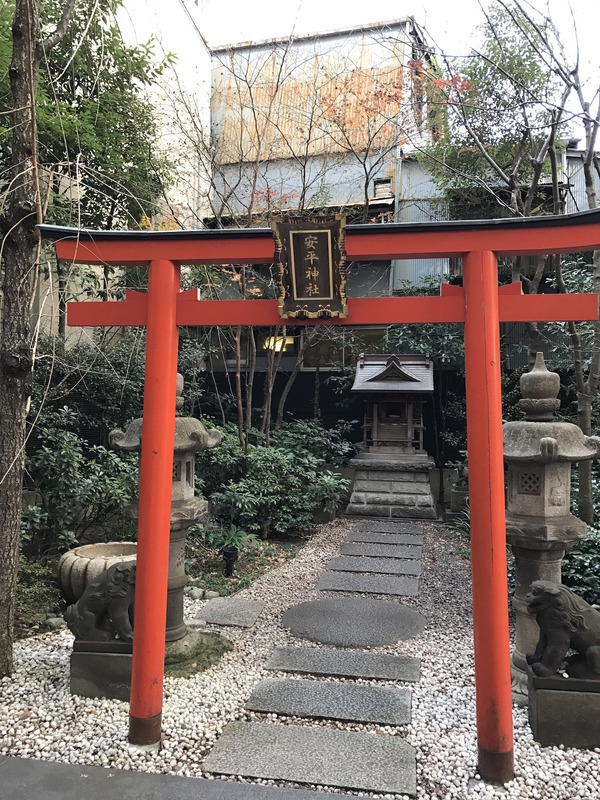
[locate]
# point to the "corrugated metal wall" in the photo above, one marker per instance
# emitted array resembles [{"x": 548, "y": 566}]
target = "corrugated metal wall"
[
  {"x": 576, "y": 199},
  {"x": 419, "y": 202}
]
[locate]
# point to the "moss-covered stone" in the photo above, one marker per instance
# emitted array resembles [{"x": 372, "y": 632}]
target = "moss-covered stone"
[{"x": 195, "y": 652}]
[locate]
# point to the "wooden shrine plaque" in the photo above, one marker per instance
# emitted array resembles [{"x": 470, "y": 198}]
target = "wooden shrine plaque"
[{"x": 310, "y": 257}]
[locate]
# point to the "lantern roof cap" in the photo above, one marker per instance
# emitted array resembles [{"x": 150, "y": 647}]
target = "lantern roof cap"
[
  {"x": 190, "y": 433},
  {"x": 539, "y": 437},
  {"x": 548, "y": 441},
  {"x": 190, "y": 436}
]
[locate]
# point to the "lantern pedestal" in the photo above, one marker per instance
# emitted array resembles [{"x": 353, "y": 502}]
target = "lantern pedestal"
[{"x": 186, "y": 509}]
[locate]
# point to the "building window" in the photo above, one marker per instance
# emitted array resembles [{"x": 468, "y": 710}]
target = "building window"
[
  {"x": 382, "y": 187},
  {"x": 278, "y": 343}
]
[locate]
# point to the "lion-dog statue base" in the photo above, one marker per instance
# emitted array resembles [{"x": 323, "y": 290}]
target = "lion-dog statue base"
[{"x": 564, "y": 689}]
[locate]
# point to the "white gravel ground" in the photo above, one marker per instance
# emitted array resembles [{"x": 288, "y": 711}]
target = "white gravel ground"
[{"x": 40, "y": 719}]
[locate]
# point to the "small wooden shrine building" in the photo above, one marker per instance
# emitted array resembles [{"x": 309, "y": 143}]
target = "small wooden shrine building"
[
  {"x": 395, "y": 388},
  {"x": 392, "y": 473}
]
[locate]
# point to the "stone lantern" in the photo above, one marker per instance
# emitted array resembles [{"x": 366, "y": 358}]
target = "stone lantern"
[
  {"x": 539, "y": 451},
  {"x": 190, "y": 437}
]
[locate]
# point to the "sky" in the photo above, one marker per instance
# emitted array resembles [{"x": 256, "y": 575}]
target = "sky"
[{"x": 450, "y": 25}]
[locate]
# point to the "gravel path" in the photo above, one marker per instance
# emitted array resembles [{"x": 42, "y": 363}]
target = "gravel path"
[{"x": 40, "y": 719}]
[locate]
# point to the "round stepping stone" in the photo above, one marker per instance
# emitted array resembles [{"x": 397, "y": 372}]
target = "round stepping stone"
[{"x": 353, "y": 621}]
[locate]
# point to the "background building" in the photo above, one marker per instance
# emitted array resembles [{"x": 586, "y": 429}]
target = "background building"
[{"x": 327, "y": 122}]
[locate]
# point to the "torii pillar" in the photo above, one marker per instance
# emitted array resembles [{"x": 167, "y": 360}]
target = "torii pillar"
[{"x": 480, "y": 305}]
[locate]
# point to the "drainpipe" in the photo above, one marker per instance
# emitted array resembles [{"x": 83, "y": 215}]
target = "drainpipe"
[{"x": 397, "y": 194}]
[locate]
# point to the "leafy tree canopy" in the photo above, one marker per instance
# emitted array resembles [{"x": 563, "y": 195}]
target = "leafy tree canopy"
[
  {"x": 501, "y": 103},
  {"x": 96, "y": 131}
]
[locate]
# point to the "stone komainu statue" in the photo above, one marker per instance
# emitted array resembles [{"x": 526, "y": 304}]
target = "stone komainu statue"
[
  {"x": 566, "y": 622},
  {"x": 105, "y": 609}
]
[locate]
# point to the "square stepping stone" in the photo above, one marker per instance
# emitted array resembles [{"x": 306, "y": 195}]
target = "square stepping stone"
[
  {"x": 344, "y": 663},
  {"x": 345, "y": 759},
  {"x": 231, "y": 611},
  {"x": 298, "y": 697},
  {"x": 376, "y": 537},
  {"x": 386, "y": 566},
  {"x": 381, "y": 550},
  {"x": 28, "y": 777},
  {"x": 388, "y": 526},
  {"x": 401, "y": 586}
]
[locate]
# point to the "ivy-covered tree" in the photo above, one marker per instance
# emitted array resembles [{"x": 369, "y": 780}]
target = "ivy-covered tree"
[{"x": 76, "y": 146}]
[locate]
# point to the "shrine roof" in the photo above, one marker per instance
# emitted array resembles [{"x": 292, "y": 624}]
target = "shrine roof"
[{"x": 376, "y": 374}]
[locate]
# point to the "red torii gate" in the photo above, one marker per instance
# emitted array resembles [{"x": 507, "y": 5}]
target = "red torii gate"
[{"x": 480, "y": 304}]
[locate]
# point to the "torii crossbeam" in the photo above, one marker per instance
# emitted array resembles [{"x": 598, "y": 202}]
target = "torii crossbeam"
[{"x": 480, "y": 304}]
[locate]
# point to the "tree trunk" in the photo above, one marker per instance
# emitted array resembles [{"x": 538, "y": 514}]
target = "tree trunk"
[
  {"x": 268, "y": 385},
  {"x": 238, "y": 388},
  {"x": 310, "y": 335},
  {"x": 250, "y": 372},
  {"x": 61, "y": 285},
  {"x": 217, "y": 392},
  {"x": 19, "y": 247},
  {"x": 585, "y": 499},
  {"x": 316, "y": 400},
  {"x": 273, "y": 363}
]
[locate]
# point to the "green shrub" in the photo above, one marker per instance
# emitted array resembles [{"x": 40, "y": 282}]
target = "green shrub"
[
  {"x": 76, "y": 486},
  {"x": 272, "y": 491},
  {"x": 104, "y": 382},
  {"x": 37, "y": 595},
  {"x": 581, "y": 567},
  {"x": 276, "y": 488},
  {"x": 326, "y": 491},
  {"x": 581, "y": 564},
  {"x": 218, "y": 466},
  {"x": 330, "y": 445},
  {"x": 217, "y": 535},
  {"x": 280, "y": 491}
]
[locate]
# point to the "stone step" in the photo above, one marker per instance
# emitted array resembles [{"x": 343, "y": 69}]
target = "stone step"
[
  {"x": 400, "y": 586},
  {"x": 353, "y": 621},
  {"x": 344, "y": 663},
  {"x": 377, "y": 474},
  {"x": 387, "y": 467},
  {"x": 392, "y": 499},
  {"x": 301, "y": 697},
  {"x": 49, "y": 780},
  {"x": 390, "y": 512},
  {"x": 375, "y": 537},
  {"x": 233, "y": 611},
  {"x": 376, "y": 550},
  {"x": 345, "y": 759},
  {"x": 388, "y": 526},
  {"x": 381, "y": 566},
  {"x": 390, "y": 486}
]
